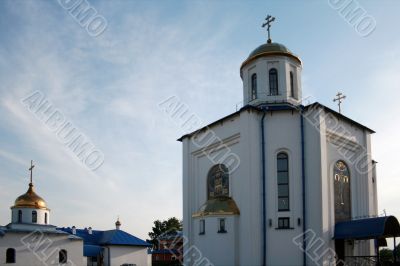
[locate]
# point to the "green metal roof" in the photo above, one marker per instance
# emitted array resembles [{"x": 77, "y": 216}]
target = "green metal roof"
[{"x": 270, "y": 47}]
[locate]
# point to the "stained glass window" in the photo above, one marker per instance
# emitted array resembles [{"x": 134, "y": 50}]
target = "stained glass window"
[
  {"x": 218, "y": 181},
  {"x": 342, "y": 195}
]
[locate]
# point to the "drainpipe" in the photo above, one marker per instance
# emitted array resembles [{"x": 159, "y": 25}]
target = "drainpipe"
[
  {"x": 264, "y": 212},
  {"x": 303, "y": 178}
]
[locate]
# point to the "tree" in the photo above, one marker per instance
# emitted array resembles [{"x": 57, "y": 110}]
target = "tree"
[
  {"x": 386, "y": 256},
  {"x": 169, "y": 226}
]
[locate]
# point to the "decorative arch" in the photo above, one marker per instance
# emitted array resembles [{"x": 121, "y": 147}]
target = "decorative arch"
[
  {"x": 342, "y": 191},
  {"x": 218, "y": 181}
]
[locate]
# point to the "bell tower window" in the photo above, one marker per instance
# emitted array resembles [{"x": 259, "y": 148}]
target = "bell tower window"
[
  {"x": 273, "y": 81},
  {"x": 291, "y": 85},
  {"x": 254, "y": 86},
  {"x": 19, "y": 216},
  {"x": 34, "y": 217}
]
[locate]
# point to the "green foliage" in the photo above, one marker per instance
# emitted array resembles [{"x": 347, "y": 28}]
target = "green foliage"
[
  {"x": 169, "y": 226},
  {"x": 386, "y": 256}
]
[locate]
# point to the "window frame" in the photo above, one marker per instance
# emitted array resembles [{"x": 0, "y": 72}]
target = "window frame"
[
  {"x": 222, "y": 226},
  {"x": 19, "y": 218},
  {"x": 292, "y": 84},
  {"x": 284, "y": 223},
  {"x": 254, "y": 92},
  {"x": 283, "y": 184},
  {"x": 34, "y": 217},
  {"x": 46, "y": 218},
  {"x": 273, "y": 81}
]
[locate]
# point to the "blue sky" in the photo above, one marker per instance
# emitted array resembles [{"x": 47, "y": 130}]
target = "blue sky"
[{"x": 110, "y": 86}]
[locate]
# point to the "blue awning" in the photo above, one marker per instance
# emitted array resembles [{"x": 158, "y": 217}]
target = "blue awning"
[
  {"x": 91, "y": 250},
  {"x": 370, "y": 228}
]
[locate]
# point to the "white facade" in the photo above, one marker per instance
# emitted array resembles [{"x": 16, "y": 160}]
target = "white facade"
[
  {"x": 314, "y": 138},
  {"x": 29, "y": 240},
  {"x": 121, "y": 255},
  {"x": 40, "y": 246},
  {"x": 42, "y": 215}
]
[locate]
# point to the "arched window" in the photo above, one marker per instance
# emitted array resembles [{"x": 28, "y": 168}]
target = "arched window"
[
  {"x": 10, "y": 255},
  {"x": 19, "y": 216},
  {"x": 273, "y": 81},
  {"x": 218, "y": 181},
  {"x": 291, "y": 84},
  {"x": 254, "y": 86},
  {"x": 283, "y": 181},
  {"x": 45, "y": 218},
  {"x": 62, "y": 256},
  {"x": 342, "y": 192},
  {"x": 34, "y": 217}
]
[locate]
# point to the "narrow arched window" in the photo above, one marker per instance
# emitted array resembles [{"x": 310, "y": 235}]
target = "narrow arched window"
[
  {"x": 10, "y": 255},
  {"x": 45, "y": 218},
  {"x": 62, "y": 256},
  {"x": 291, "y": 85},
  {"x": 34, "y": 217},
  {"x": 273, "y": 81},
  {"x": 283, "y": 181},
  {"x": 218, "y": 181},
  {"x": 342, "y": 193},
  {"x": 254, "y": 86},
  {"x": 19, "y": 216}
]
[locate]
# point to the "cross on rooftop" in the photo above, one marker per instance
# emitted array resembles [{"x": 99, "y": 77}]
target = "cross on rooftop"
[
  {"x": 31, "y": 169},
  {"x": 339, "y": 98},
  {"x": 268, "y": 20}
]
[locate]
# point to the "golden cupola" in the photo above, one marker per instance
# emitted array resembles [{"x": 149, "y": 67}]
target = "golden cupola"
[{"x": 30, "y": 200}]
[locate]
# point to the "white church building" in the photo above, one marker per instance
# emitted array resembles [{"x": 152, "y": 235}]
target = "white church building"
[
  {"x": 279, "y": 182},
  {"x": 30, "y": 240}
]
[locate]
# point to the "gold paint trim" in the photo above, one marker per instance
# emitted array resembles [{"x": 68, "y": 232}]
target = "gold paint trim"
[
  {"x": 205, "y": 214},
  {"x": 251, "y": 59}
]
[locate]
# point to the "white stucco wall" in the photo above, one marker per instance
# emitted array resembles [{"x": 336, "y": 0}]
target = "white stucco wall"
[
  {"x": 127, "y": 255},
  {"x": 241, "y": 134},
  {"x": 41, "y": 249},
  {"x": 27, "y": 215}
]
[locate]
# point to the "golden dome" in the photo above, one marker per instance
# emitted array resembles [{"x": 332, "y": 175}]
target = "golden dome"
[{"x": 30, "y": 200}]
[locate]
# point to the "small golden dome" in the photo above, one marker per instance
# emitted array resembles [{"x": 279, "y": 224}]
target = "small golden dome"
[{"x": 30, "y": 200}]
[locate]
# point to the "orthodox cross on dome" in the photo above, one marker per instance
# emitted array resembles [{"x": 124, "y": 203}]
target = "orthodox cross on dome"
[
  {"x": 31, "y": 169},
  {"x": 268, "y": 20},
  {"x": 339, "y": 98}
]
